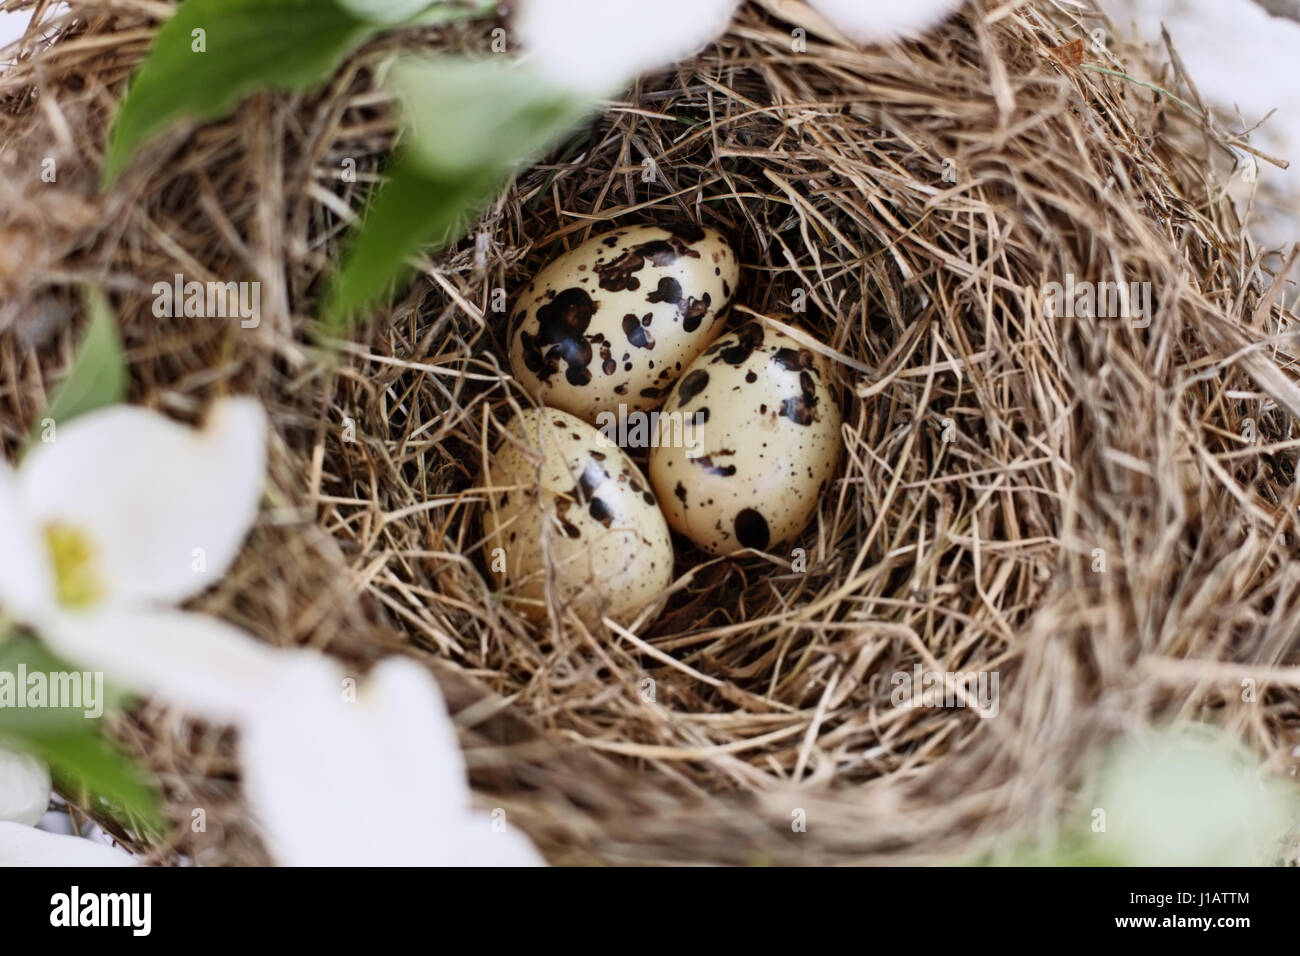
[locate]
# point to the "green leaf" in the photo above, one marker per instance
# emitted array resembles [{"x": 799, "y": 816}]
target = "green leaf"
[
  {"x": 98, "y": 374},
  {"x": 81, "y": 759},
  {"x": 245, "y": 45},
  {"x": 471, "y": 124},
  {"x": 20, "y": 659},
  {"x": 87, "y": 764},
  {"x": 250, "y": 45},
  {"x": 410, "y": 210},
  {"x": 465, "y": 115}
]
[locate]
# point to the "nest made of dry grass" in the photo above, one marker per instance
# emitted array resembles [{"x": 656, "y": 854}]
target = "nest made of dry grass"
[{"x": 990, "y": 448}]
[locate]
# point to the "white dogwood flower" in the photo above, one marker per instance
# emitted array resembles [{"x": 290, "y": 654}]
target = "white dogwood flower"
[
  {"x": 371, "y": 776},
  {"x": 595, "y": 47},
  {"x": 22, "y": 845},
  {"x": 124, "y": 514},
  {"x": 24, "y": 796},
  {"x": 24, "y": 788},
  {"x": 878, "y": 21}
]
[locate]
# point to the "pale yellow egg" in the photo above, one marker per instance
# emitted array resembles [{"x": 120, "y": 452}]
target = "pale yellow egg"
[
  {"x": 615, "y": 320},
  {"x": 564, "y": 502}
]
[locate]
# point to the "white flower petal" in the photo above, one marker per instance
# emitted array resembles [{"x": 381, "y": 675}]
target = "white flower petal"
[
  {"x": 200, "y": 664},
  {"x": 164, "y": 507},
  {"x": 384, "y": 11},
  {"x": 877, "y": 21},
  {"x": 26, "y": 846},
  {"x": 26, "y": 584},
  {"x": 473, "y": 841},
  {"x": 595, "y": 47},
  {"x": 798, "y": 13},
  {"x": 302, "y": 773},
  {"x": 374, "y": 781},
  {"x": 407, "y": 712},
  {"x": 24, "y": 788}
]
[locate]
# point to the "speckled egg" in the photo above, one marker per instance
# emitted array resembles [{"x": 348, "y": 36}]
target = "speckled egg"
[
  {"x": 766, "y": 442},
  {"x": 616, "y": 319},
  {"x": 555, "y": 484}
]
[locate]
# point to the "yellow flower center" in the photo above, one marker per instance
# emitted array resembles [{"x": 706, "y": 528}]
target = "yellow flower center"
[{"x": 75, "y": 581}]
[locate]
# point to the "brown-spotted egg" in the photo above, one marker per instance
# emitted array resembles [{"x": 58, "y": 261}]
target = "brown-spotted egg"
[
  {"x": 557, "y": 485},
  {"x": 765, "y": 445},
  {"x": 616, "y": 319}
]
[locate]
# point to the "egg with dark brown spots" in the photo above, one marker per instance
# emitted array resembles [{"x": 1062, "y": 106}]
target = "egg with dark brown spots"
[
  {"x": 555, "y": 486},
  {"x": 764, "y": 445},
  {"x": 615, "y": 320}
]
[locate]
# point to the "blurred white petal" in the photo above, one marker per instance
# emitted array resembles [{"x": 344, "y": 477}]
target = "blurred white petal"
[
  {"x": 25, "y": 846},
  {"x": 876, "y": 21},
  {"x": 200, "y": 664},
  {"x": 299, "y": 771},
  {"x": 24, "y": 788},
  {"x": 164, "y": 507},
  {"x": 595, "y": 47},
  {"x": 351, "y": 782},
  {"x": 798, "y": 13},
  {"x": 384, "y": 11},
  {"x": 405, "y": 710},
  {"x": 1191, "y": 798},
  {"x": 374, "y": 781},
  {"x": 475, "y": 842},
  {"x": 26, "y": 585}
]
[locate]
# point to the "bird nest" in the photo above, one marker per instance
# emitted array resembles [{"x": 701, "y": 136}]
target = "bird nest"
[{"x": 1098, "y": 509}]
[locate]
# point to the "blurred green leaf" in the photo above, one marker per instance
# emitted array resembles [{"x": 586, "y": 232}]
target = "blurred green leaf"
[
  {"x": 1188, "y": 794},
  {"x": 410, "y": 210},
  {"x": 471, "y": 125},
  {"x": 81, "y": 759},
  {"x": 467, "y": 115},
  {"x": 86, "y": 764},
  {"x": 21, "y": 657},
  {"x": 249, "y": 45},
  {"x": 212, "y": 53},
  {"x": 98, "y": 374}
]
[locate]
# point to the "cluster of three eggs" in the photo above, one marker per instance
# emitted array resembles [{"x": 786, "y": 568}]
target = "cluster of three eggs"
[{"x": 622, "y": 324}]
